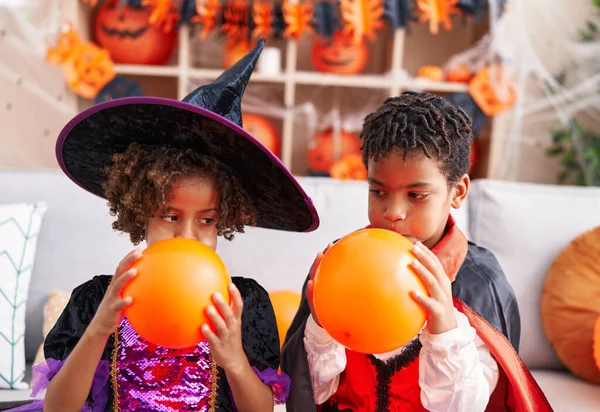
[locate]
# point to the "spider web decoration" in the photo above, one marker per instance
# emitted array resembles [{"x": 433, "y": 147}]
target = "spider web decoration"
[{"x": 326, "y": 19}]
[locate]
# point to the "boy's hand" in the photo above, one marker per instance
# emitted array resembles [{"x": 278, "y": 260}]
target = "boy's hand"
[
  {"x": 108, "y": 314},
  {"x": 311, "y": 282},
  {"x": 226, "y": 344},
  {"x": 439, "y": 306}
]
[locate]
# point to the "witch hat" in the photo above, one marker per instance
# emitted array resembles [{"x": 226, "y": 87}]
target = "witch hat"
[{"x": 208, "y": 120}]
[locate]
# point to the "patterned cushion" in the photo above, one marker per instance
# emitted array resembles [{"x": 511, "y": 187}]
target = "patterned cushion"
[{"x": 19, "y": 227}]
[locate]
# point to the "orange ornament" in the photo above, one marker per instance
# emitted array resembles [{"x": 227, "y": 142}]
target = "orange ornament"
[
  {"x": 350, "y": 167},
  {"x": 130, "y": 37},
  {"x": 339, "y": 55},
  {"x": 362, "y": 292},
  {"x": 88, "y": 69},
  {"x": 323, "y": 153},
  {"x": 263, "y": 130},
  {"x": 285, "y": 304},
  {"x": 460, "y": 75},
  {"x": 174, "y": 285},
  {"x": 480, "y": 88},
  {"x": 431, "y": 72}
]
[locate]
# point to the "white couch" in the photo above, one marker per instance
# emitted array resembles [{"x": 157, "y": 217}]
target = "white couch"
[{"x": 525, "y": 225}]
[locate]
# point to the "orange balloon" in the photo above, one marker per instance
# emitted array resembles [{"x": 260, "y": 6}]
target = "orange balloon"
[
  {"x": 285, "y": 304},
  {"x": 362, "y": 292},
  {"x": 174, "y": 285}
]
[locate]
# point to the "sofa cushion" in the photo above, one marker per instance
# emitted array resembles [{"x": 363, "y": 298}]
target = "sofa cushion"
[
  {"x": 526, "y": 225},
  {"x": 20, "y": 226}
]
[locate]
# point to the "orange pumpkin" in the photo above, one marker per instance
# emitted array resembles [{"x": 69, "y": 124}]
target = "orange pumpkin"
[
  {"x": 339, "y": 55},
  {"x": 263, "y": 130},
  {"x": 460, "y": 75},
  {"x": 234, "y": 51},
  {"x": 350, "y": 167},
  {"x": 480, "y": 88},
  {"x": 322, "y": 155},
  {"x": 126, "y": 33},
  {"x": 431, "y": 72}
]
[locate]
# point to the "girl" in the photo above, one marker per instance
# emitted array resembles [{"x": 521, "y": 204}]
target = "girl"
[{"x": 173, "y": 169}]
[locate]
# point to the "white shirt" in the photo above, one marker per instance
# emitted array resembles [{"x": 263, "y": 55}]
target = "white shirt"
[{"x": 456, "y": 370}]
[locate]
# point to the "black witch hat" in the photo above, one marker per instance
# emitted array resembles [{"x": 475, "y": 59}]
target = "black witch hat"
[{"x": 208, "y": 120}]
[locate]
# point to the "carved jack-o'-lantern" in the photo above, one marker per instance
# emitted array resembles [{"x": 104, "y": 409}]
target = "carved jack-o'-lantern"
[
  {"x": 326, "y": 152},
  {"x": 234, "y": 51},
  {"x": 263, "y": 130},
  {"x": 126, "y": 33},
  {"x": 339, "y": 55}
]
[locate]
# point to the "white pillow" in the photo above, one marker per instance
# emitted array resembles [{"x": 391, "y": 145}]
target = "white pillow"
[{"x": 19, "y": 228}]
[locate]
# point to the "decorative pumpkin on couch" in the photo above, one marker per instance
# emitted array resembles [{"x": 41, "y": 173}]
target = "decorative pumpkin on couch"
[
  {"x": 339, "y": 55},
  {"x": 129, "y": 37}
]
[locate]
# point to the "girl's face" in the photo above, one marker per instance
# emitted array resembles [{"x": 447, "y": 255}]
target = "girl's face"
[
  {"x": 411, "y": 196},
  {"x": 191, "y": 214}
]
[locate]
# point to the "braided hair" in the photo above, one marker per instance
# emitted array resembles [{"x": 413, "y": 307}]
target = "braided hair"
[{"x": 420, "y": 121}]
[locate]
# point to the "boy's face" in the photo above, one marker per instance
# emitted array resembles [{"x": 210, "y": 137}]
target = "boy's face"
[
  {"x": 412, "y": 197},
  {"x": 191, "y": 214}
]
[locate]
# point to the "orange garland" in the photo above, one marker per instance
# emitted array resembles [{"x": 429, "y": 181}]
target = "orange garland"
[
  {"x": 362, "y": 18},
  {"x": 164, "y": 14},
  {"x": 207, "y": 14},
  {"x": 263, "y": 18},
  {"x": 298, "y": 17},
  {"x": 236, "y": 20},
  {"x": 437, "y": 12}
]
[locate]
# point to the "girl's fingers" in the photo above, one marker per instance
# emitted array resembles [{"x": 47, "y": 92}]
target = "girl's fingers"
[
  {"x": 237, "y": 303},
  {"x": 128, "y": 261},
  {"x": 217, "y": 320},
  {"x": 119, "y": 283}
]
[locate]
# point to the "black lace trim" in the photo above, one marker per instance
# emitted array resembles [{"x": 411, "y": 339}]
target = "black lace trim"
[{"x": 386, "y": 370}]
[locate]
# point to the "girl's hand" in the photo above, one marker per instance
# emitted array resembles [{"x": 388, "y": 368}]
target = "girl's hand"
[
  {"x": 109, "y": 312},
  {"x": 439, "y": 306},
  {"x": 226, "y": 344},
  {"x": 311, "y": 282}
]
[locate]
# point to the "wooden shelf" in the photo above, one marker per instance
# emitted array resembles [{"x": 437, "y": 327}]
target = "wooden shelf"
[
  {"x": 182, "y": 73},
  {"x": 147, "y": 70}
]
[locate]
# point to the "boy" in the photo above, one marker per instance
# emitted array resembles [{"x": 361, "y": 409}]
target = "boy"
[{"x": 416, "y": 148}]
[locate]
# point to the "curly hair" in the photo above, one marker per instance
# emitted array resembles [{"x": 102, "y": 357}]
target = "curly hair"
[
  {"x": 139, "y": 182},
  {"x": 420, "y": 121}
]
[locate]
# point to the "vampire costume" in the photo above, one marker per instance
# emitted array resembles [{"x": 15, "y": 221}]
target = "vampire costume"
[{"x": 481, "y": 292}]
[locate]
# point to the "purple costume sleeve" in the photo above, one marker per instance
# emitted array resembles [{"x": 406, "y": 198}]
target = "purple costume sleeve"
[
  {"x": 278, "y": 381},
  {"x": 44, "y": 372}
]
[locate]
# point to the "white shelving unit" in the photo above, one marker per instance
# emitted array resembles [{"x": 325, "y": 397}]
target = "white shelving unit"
[{"x": 182, "y": 72}]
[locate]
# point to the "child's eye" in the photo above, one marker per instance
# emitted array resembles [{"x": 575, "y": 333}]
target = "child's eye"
[
  {"x": 169, "y": 218},
  {"x": 376, "y": 192},
  {"x": 418, "y": 196},
  {"x": 207, "y": 221}
]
